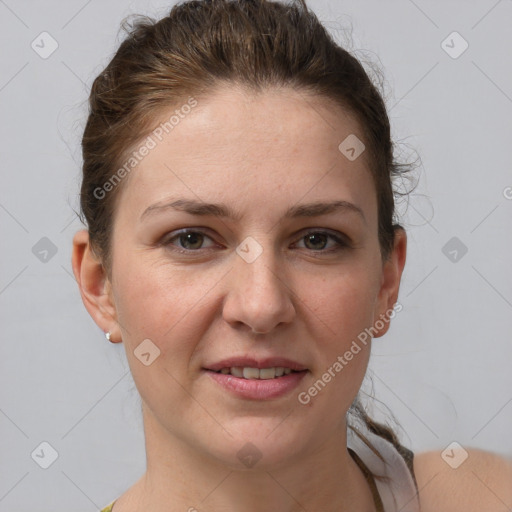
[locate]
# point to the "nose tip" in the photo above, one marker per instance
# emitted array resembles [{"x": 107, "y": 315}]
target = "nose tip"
[{"x": 257, "y": 297}]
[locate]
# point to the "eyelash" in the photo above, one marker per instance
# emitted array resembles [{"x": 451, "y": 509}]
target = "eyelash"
[{"x": 341, "y": 243}]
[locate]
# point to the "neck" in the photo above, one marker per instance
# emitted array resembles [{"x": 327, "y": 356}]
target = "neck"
[{"x": 179, "y": 477}]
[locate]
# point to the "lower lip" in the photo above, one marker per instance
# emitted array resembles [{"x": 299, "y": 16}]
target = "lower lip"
[{"x": 258, "y": 389}]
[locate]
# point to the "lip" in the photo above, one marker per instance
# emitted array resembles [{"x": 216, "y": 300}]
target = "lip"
[
  {"x": 250, "y": 362},
  {"x": 256, "y": 389}
]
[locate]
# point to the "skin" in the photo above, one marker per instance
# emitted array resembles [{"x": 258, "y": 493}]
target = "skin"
[
  {"x": 482, "y": 482},
  {"x": 259, "y": 154}
]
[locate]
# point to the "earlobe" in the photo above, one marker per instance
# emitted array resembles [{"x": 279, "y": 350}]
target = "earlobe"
[
  {"x": 93, "y": 284},
  {"x": 390, "y": 284}
]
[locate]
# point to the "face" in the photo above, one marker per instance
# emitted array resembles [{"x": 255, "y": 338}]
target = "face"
[{"x": 269, "y": 277}]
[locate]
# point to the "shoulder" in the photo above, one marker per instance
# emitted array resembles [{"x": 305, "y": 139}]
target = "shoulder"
[{"x": 449, "y": 481}]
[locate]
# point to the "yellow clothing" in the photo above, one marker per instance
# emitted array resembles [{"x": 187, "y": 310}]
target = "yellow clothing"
[{"x": 109, "y": 508}]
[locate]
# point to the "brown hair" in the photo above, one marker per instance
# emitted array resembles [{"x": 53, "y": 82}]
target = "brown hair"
[{"x": 200, "y": 45}]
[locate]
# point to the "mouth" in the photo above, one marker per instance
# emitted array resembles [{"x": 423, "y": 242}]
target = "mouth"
[
  {"x": 252, "y": 379},
  {"x": 247, "y": 372}
]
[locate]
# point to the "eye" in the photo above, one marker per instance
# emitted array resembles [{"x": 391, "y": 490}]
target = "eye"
[
  {"x": 188, "y": 240},
  {"x": 318, "y": 241}
]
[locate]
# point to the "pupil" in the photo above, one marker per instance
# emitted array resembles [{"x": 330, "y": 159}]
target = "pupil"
[
  {"x": 191, "y": 239},
  {"x": 316, "y": 237}
]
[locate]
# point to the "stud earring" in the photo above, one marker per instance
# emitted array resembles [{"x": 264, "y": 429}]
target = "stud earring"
[{"x": 107, "y": 335}]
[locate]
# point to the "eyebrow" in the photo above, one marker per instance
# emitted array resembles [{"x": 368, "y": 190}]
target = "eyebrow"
[{"x": 194, "y": 207}]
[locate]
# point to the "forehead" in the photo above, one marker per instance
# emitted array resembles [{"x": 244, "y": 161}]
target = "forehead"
[{"x": 250, "y": 148}]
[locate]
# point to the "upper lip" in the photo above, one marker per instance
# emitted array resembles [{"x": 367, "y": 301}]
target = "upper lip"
[{"x": 251, "y": 362}]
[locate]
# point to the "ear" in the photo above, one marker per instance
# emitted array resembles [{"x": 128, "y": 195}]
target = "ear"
[
  {"x": 392, "y": 269},
  {"x": 95, "y": 288}
]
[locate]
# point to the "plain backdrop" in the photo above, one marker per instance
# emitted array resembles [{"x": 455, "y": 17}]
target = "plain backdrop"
[{"x": 443, "y": 369}]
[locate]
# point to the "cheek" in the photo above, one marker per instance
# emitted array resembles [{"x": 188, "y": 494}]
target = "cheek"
[
  {"x": 168, "y": 305},
  {"x": 340, "y": 308},
  {"x": 162, "y": 304},
  {"x": 343, "y": 301}
]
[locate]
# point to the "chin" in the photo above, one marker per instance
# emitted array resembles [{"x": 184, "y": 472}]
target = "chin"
[{"x": 259, "y": 444}]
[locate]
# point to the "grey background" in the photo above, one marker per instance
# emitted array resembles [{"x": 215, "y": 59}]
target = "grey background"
[{"x": 444, "y": 367}]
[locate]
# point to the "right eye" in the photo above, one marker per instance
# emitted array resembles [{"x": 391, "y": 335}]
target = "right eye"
[{"x": 189, "y": 241}]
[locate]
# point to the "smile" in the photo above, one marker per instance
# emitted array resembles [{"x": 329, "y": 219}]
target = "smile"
[
  {"x": 256, "y": 373},
  {"x": 257, "y": 384}
]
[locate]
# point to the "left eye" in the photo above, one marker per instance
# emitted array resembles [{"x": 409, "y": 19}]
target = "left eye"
[{"x": 318, "y": 240}]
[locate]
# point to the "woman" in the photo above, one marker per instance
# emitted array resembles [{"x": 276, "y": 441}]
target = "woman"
[{"x": 237, "y": 188}]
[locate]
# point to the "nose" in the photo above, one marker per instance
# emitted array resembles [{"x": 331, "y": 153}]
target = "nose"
[{"x": 258, "y": 296}]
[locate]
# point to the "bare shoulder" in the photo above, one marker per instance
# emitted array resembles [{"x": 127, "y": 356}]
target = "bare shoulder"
[{"x": 453, "y": 482}]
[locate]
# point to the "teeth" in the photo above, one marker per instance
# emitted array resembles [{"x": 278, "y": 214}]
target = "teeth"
[
  {"x": 251, "y": 373},
  {"x": 266, "y": 373},
  {"x": 237, "y": 372},
  {"x": 255, "y": 373}
]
